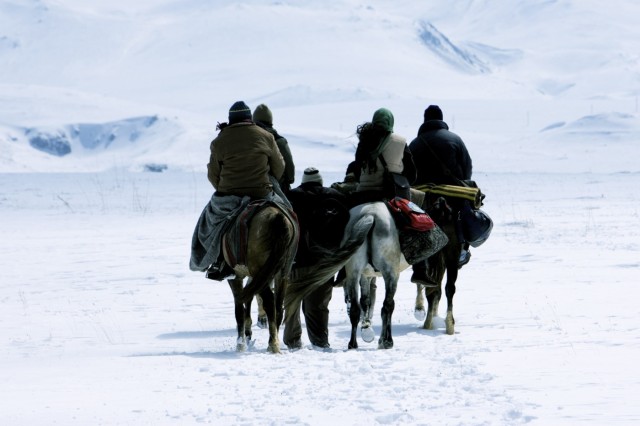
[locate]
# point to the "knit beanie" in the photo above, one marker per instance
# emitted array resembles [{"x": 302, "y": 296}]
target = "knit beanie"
[
  {"x": 238, "y": 112},
  {"x": 311, "y": 174},
  {"x": 263, "y": 113},
  {"x": 433, "y": 112},
  {"x": 383, "y": 118}
]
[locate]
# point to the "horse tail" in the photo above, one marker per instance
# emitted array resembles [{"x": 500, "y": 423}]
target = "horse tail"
[
  {"x": 282, "y": 238},
  {"x": 305, "y": 280}
]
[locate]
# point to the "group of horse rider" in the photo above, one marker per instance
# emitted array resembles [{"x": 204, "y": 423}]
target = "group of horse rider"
[{"x": 249, "y": 158}]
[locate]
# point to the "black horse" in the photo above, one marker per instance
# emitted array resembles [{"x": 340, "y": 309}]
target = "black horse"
[{"x": 444, "y": 213}]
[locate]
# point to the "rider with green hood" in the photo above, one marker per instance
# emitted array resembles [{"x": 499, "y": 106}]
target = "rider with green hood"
[{"x": 380, "y": 148}]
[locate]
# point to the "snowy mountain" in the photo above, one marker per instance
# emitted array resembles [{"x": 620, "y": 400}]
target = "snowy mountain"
[{"x": 505, "y": 73}]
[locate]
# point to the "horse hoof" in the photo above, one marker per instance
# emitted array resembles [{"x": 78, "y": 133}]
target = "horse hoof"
[
  {"x": 241, "y": 346},
  {"x": 420, "y": 314},
  {"x": 385, "y": 345},
  {"x": 367, "y": 333},
  {"x": 450, "y": 324},
  {"x": 262, "y": 322}
]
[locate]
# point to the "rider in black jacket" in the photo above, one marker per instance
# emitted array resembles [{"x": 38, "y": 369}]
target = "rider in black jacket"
[{"x": 441, "y": 157}]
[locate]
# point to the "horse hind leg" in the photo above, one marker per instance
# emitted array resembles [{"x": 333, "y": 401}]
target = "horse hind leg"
[
  {"x": 433, "y": 294},
  {"x": 433, "y": 299},
  {"x": 269, "y": 304},
  {"x": 450, "y": 290},
  {"x": 240, "y": 311},
  {"x": 367, "y": 302},
  {"x": 388, "y": 306},
  {"x": 351, "y": 292}
]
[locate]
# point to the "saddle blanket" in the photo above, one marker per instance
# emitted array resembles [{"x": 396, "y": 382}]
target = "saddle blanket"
[{"x": 237, "y": 237}]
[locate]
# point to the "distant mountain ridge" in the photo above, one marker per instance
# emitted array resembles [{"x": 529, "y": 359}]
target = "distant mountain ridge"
[{"x": 78, "y": 79}]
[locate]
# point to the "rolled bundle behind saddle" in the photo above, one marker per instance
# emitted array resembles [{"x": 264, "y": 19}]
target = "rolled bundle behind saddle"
[{"x": 474, "y": 195}]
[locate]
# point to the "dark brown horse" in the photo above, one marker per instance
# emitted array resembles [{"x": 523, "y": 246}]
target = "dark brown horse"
[
  {"x": 443, "y": 262},
  {"x": 271, "y": 247}
]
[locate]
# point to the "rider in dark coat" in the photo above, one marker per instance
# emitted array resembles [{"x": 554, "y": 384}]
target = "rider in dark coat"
[
  {"x": 438, "y": 154},
  {"x": 322, "y": 214},
  {"x": 263, "y": 117},
  {"x": 435, "y": 146},
  {"x": 244, "y": 159}
]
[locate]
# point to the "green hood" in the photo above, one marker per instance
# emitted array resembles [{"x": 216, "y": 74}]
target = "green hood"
[{"x": 383, "y": 118}]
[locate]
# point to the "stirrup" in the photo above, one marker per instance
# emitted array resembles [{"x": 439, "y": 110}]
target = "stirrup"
[
  {"x": 219, "y": 272},
  {"x": 465, "y": 256}
]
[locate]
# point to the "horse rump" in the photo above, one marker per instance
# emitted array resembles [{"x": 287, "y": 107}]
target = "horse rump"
[{"x": 280, "y": 241}]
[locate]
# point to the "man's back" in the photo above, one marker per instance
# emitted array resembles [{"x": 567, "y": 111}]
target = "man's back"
[
  {"x": 242, "y": 157},
  {"x": 438, "y": 152},
  {"x": 322, "y": 212}
]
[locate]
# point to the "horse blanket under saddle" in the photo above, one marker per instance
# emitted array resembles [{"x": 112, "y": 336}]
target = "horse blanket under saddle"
[{"x": 236, "y": 239}]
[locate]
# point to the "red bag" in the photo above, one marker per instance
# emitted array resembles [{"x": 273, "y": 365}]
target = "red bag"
[{"x": 409, "y": 216}]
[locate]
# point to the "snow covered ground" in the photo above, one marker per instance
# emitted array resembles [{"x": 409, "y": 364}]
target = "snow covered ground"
[{"x": 103, "y": 323}]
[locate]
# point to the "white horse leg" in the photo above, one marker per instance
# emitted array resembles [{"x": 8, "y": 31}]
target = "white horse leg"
[
  {"x": 418, "y": 312},
  {"x": 388, "y": 306},
  {"x": 351, "y": 289},
  {"x": 367, "y": 302}
]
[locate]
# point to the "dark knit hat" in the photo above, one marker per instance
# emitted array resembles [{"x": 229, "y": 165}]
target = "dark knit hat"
[
  {"x": 311, "y": 174},
  {"x": 263, "y": 113},
  {"x": 352, "y": 167},
  {"x": 239, "y": 112},
  {"x": 383, "y": 118},
  {"x": 433, "y": 112}
]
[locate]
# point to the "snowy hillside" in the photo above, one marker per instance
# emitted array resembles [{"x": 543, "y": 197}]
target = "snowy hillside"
[{"x": 502, "y": 71}]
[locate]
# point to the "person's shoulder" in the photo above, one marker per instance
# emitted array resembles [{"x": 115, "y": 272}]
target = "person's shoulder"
[
  {"x": 398, "y": 139},
  {"x": 296, "y": 192},
  {"x": 414, "y": 143},
  {"x": 280, "y": 138},
  {"x": 335, "y": 193},
  {"x": 263, "y": 133}
]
